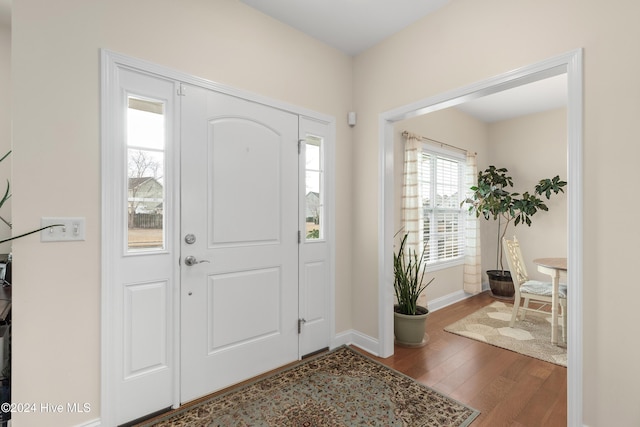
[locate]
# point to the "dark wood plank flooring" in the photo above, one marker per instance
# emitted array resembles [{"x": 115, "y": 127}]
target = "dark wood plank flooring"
[{"x": 508, "y": 389}]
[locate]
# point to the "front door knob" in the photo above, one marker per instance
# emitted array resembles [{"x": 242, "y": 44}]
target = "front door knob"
[{"x": 191, "y": 260}]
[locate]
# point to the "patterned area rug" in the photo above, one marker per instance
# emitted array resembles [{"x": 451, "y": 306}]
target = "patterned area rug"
[
  {"x": 341, "y": 388},
  {"x": 531, "y": 336}
]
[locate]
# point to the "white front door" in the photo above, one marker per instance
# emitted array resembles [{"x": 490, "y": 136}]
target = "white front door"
[
  {"x": 231, "y": 173},
  {"x": 239, "y": 240}
]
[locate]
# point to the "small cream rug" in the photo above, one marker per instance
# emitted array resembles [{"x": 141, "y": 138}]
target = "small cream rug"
[{"x": 531, "y": 336}]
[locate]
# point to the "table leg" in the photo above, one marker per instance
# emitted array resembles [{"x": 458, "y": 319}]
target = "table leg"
[{"x": 555, "y": 279}]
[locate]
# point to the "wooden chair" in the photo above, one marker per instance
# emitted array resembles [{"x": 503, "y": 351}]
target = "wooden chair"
[{"x": 531, "y": 289}]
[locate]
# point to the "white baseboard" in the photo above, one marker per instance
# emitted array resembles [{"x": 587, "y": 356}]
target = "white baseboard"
[
  {"x": 451, "y": 298},
  {"x": 371, "y": 345},
  {"x": 447, "y": 300},
  {"x": 353, "y": 337},
  {"x": 93, "y": 423}
]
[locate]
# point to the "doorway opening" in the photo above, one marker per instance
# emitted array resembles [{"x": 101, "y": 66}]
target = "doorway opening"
[{"x": 569, "y": 64}]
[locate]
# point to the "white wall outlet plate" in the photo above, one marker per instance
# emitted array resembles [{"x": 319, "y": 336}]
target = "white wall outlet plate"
[{"x": 63, "y": 229}]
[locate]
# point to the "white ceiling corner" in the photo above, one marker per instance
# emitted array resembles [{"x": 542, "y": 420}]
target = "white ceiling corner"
[{"x": 351, "y": 26}]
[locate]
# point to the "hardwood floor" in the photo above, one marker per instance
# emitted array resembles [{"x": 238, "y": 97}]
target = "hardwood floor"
[{"x": 508, "y": 389}]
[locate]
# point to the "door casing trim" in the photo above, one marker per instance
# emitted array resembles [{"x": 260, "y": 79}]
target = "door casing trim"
[{"x": 570, "y": 63}]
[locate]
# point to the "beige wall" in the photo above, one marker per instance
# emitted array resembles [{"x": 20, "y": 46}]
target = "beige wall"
[
  {"x": 56, "y": 161},
  {"x": 57, "y": 156},
  {"x": 471, "y": 40},
  {"x": 5, "y": 126},
  {"x": 532, "y": 148}
]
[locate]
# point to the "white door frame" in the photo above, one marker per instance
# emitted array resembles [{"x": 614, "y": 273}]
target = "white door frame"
[
  {"x": 569, "y": 63},
  {"x": 110, "y": 63}
]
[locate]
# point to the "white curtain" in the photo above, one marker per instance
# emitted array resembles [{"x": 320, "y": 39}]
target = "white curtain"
[
  {"x": 412, "y": 214},
  {"x": 472, "y": 268},
  {"x": 412, "y": 217}
]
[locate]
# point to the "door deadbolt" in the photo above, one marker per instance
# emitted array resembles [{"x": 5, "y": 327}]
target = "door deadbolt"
[{"x": 190, "y": 239}]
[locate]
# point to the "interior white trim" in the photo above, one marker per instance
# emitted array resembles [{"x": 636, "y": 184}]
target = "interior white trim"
[
  {"x": 447, "y": 300},
  {"x": 92, "y": 423},
  {"x": 353, "y": 337},
  {"x": 372, "y": 345},
  {"x": 569, "y": 63},
  {"x": 110, "y": 63}
]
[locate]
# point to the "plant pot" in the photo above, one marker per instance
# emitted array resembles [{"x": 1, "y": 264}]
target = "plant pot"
[
  {"x": 410, "y": 330},
  {"x": 5, "y": 398},
  {"x": 501, "y": 284}
]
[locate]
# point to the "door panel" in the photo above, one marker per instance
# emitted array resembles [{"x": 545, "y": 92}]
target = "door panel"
[
  {"x": 265, "y": 289},
  {"x": 146, "y": 321},
  {"x": 315, "y": 250},
  {"x": 239, "y": 200},
  {"x": 141, "y": 279},
  {"x": 246, "y": 181}
]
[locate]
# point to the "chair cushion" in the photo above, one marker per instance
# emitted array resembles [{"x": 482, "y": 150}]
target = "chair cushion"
[{"x": 542, "y": 288}]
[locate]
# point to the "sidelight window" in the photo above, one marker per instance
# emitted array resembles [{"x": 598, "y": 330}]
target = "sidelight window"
[
  {"x": 145, "y": 139},
  {"x": 314, "y": 183}
]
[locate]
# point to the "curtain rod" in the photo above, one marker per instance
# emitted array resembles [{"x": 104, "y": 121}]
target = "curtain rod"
[{"x": 424, "y": 138}]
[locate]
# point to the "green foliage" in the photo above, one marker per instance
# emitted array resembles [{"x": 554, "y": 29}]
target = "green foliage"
[
  {"x": 408, "y": 272},
  {"x": 313, "y": 234},
  {"x": 491, "y": 199},
  {"x": 7, "y": 193}
]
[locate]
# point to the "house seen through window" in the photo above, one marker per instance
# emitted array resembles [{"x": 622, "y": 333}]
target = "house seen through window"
[
  {"x": 314, "y": 188},
  {"x": 145, "y": 139}
]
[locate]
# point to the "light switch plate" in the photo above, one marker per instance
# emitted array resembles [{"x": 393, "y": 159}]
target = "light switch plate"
[{"x": 64, "y": 229}]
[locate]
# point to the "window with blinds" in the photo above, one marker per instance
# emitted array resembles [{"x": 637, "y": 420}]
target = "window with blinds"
[{"x": 441, "y": 183}]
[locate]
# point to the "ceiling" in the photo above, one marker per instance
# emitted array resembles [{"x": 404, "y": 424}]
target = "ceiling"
[
  {"x": 536, "y": 97},
  {"x": 352, "y": 31},
  {"x": 356, "y": 25},
  {"x": 351, "y": 26}
]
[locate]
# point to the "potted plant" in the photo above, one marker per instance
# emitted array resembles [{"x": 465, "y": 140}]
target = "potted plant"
[
  {"x": 491, "y": 199},
  {"x": 409, "y": 318}
]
